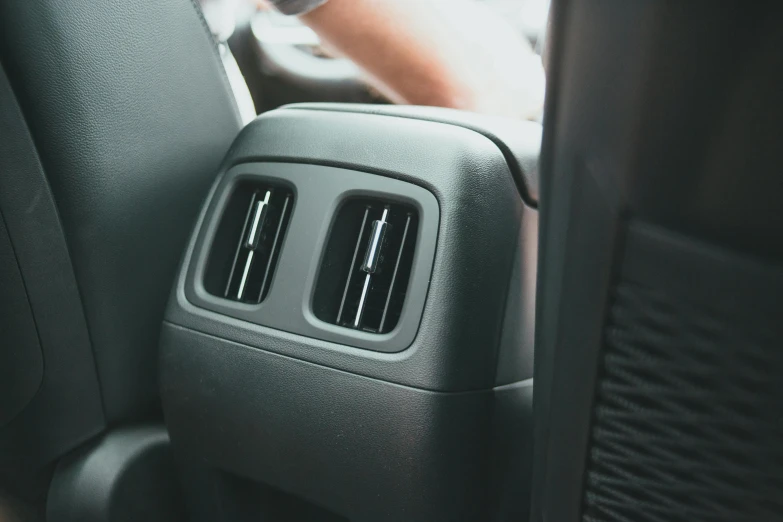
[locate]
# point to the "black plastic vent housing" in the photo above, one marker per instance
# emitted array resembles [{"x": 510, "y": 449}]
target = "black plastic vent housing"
[
  {"x": 320, "y": 194},
  {"x": 342, "y": 417},
  {"x": 247, "y": 245},
  {"x": 365, "y": 271}
]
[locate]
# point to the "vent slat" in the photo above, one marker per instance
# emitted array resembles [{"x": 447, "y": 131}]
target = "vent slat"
[
  {"x": 353, "y": 264},
  {"x": 363, "y": 280},
  {"x": 362, "y": 301},
  {"x": 259, "y": 215},
  {"x": 248, "y": 241},
  {"x": 238, "y": 250},
  {"x": 245, "y": 273},
  {"x": 394, "y": 275},
  {"x": 273, "y": 252}
]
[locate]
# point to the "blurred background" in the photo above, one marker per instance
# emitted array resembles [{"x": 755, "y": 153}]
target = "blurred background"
[{"x": 273, "y": 59}]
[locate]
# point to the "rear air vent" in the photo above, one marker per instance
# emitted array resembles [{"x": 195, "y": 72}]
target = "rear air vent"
[
  {"x": 367, "y": 264},
  {"x": 248, "y": 242}
]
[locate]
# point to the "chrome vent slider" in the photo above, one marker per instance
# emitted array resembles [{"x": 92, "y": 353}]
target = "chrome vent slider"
[
  {"x": 251, "y": 243},
  {"x": 371, "y": 260},
  {"x": 377, "y": 235},
  {"x": 381, "y": 237},
  {"x": 258, "y": 222},
  {"x": 248, "y": 241}
]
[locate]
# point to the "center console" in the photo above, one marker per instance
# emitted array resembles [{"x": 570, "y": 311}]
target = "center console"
[{"x": 352, "y": 325}]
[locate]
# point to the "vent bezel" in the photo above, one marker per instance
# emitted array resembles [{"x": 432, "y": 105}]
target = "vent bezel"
[
  {"x": 318, "y": 193},
  {"x": 340, "y": 266},
  {"x": 236, "y": 271}
]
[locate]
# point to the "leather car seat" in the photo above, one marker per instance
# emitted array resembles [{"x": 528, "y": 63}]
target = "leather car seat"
[{"x": 114, "y": 116}]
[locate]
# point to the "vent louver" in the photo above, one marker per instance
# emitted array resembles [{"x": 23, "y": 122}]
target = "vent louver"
[
  {"x": 365, "y": 271},
  {"x": 248, "y": 242}
]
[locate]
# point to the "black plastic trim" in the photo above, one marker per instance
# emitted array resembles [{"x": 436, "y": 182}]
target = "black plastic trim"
[
  {"x": 518, "y": 140},
  {"x": 419, "y": 434},
  {"x": 319, "y": 191},
  {"x": 128, "y": 474},
  {"x": 456, "y": 346},
  {"x": 367, "y": 449}
]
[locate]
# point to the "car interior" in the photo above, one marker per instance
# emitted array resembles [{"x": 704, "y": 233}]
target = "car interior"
[{"x": 348, "y": 310}]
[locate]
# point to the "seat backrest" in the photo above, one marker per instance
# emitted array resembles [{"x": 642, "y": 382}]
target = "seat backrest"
[
  {"x": 114, "y": 116},
  {"x": 659, "y": 348}
]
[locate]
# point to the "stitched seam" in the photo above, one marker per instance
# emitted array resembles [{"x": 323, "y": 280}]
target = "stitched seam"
[
  {"x": 32, "y": 317},
  {"x": 216, "y": 54},
  {"x": 66, "y": 244}
]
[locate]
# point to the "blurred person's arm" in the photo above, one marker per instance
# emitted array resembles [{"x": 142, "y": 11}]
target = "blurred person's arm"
[{"x": 448, "y": 53}]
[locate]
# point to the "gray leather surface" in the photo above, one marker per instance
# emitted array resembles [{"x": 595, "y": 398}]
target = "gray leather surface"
[
  {"x": 66, "y": 407},
  {"x": 131, "y": 113},
  {"x": 21, "y": 361},
  {"x": 480, "y": 214}
]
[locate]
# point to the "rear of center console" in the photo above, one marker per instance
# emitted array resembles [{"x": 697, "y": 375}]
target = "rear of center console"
[{"x": 352, "y": 325}]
